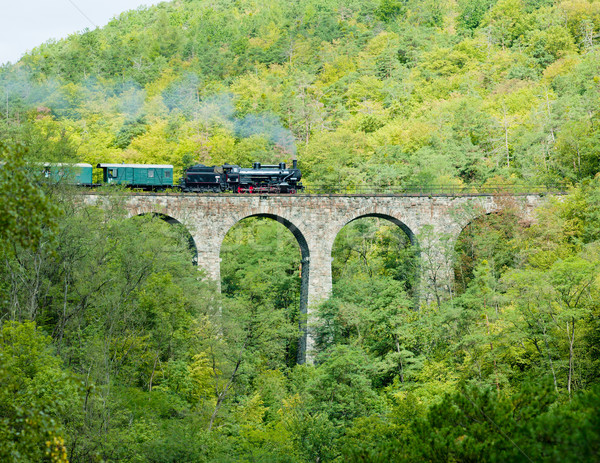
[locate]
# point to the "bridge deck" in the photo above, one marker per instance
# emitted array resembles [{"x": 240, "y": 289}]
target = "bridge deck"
[{"x": 329, "y": 195}]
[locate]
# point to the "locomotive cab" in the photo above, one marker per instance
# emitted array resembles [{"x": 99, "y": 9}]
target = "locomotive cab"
[{"x": 232, "y": 173}]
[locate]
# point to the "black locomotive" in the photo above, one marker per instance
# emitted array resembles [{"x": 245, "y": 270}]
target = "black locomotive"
[{"x": 267, "y": 178}]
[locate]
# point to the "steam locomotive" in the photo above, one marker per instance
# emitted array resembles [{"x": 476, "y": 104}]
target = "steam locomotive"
[{"x": 269, "y": 178}]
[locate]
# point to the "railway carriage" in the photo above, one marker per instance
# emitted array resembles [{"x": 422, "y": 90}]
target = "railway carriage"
[
  {"x": 75, "y": 174},
  {"x": 144, "y": 176}
]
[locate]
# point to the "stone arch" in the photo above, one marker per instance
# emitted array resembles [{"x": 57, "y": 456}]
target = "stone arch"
[
  {"x": 290, "y": 226},
  {"x": 389, "y": 218},
  {"x": 305, "y": 271},
  {"x": 173, "y": 221},
  {"x": 416, "y": 290},
  {"x": 475, "y": 208},
  {"x": 505, "y": 216},
  {"x": 517, "y": 214}
]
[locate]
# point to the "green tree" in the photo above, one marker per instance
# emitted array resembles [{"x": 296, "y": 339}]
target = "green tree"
[
  {"x": 26, "y": 212},
  {"x": 36, "y": 396},
  {"x": 342, "y": 387},
  {"x": 508, "y": 21},
  {"x": 472, "y": 12}
]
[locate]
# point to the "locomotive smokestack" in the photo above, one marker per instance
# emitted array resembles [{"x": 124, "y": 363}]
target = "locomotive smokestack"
[{"x": 295, "y": 163}]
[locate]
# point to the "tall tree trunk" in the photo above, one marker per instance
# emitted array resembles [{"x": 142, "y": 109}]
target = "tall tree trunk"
[
  {"x": 487, "y": 321},
  {"x": 571, "y": 337},
  {"x": 221, "y": 395},
  {"x": 550, "y": 359}
]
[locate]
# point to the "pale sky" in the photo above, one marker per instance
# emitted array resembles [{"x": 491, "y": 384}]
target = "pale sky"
[{"x": 25, "y": 24}]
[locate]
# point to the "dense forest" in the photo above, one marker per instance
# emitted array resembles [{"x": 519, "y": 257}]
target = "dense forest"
[{"x": 113, "y": 345}]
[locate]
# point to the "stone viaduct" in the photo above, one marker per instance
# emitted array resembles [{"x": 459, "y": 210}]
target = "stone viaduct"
[{"x": 433, "y": 223}]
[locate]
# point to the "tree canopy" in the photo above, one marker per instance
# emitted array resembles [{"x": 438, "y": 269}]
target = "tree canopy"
[
  {"x": 373, "y": 93},
  {"x": 115, "y": 347}
]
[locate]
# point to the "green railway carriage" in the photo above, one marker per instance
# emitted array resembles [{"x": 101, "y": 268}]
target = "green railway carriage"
[
  {"x": 145, "y": 176},
  {"x": 73, "y": 174}
]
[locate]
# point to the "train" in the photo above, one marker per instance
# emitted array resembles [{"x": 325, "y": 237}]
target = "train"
[{"x": 260, "y": 178}]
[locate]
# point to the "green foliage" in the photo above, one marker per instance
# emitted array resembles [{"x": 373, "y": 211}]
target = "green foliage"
[
  {"x": 347, "y": 80},
  {"x": 129, "y": 131},
  {"x": 507, "y": 20},
  {"x": 147, "y": 363},
  {"x": 479, "y": 424},
  {"x": 36, "y": 396},
  {"x": 261, "y": 267},
  {"x": 341, "y": 388},
  {"x": 389, "y": 9},
  {"x": 488, "y": 241},
  {"x": 26, "y": 212},
  {"x": 472, "y": 12}
]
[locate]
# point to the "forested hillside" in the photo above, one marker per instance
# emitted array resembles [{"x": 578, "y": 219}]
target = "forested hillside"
[
  {"x": 114, "y": 347},
  {"x": 362, "y": 92}
]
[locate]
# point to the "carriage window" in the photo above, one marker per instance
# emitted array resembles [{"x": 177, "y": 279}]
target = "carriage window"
[
  {"x": 150, "y": 173},
  {"x": 167, "y": 173},
  {"x": 112, "y": 173}
]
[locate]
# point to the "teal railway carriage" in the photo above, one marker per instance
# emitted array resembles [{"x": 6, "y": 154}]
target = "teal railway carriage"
[
  {"x": 73, "y": 174},
  {"x": 144, "y": 176}
]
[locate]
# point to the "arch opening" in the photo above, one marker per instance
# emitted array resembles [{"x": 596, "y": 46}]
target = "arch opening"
[
  {"x": 181, "y": 228},
  {"x": 484, "y": 248},
  {"x": 377, "y": 245},
  {"x": 409, "y": 233},
  {"x": 264, "y": 262},
  {"x": 376, "y": 278}
]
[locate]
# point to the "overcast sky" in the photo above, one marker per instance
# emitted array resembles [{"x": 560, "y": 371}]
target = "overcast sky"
[{"x": 25, "y": 24}]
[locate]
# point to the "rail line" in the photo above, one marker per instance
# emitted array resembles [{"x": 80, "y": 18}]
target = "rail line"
[{"x": 365, "y": 191}]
